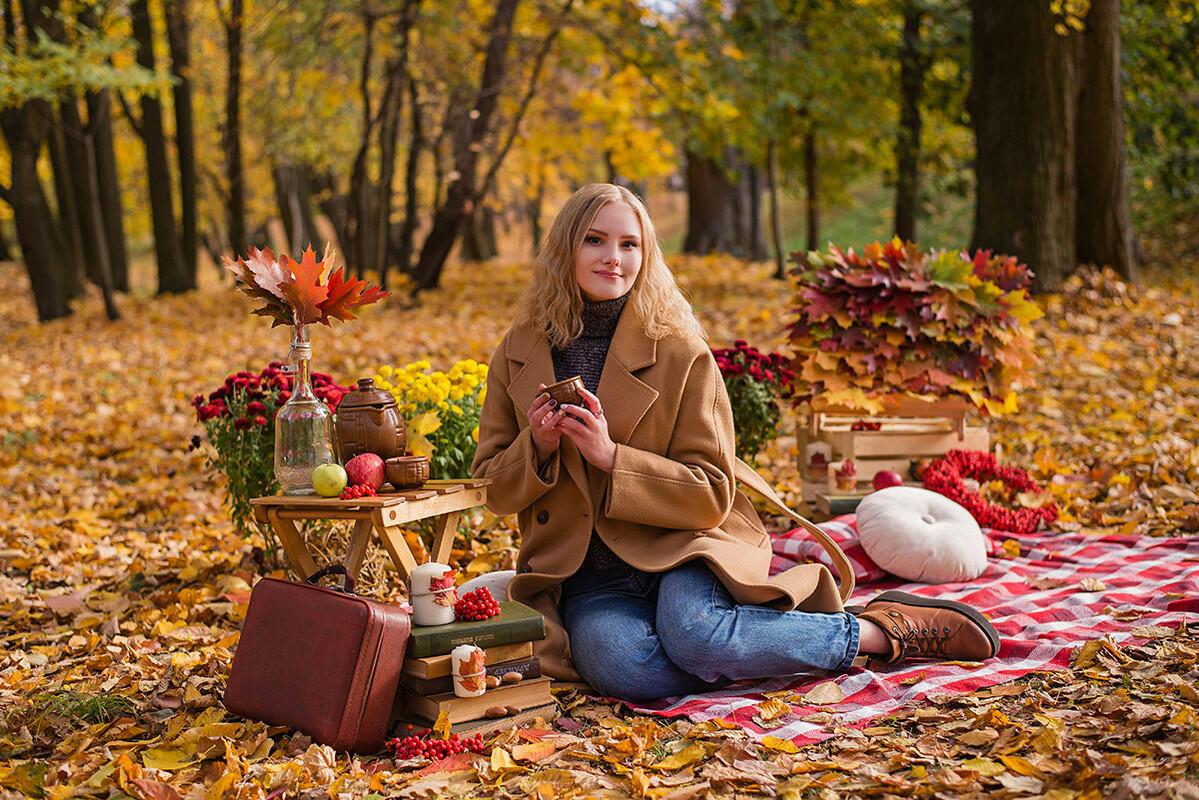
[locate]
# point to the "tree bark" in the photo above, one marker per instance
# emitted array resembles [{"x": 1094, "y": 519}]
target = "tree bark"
[
  {"x": 479, "y": 236},
  {"x": 416, "y": 143},
  {"x": 234, "y": 170},
  {"x": 460, "y": 196},
  {"x": 185, "y": 137},
  {"x": 1103, "y": 231},
  {"x": 749, "y": 229},
  {"x": 711, "y": 207},
  {"x": 294, "y": 198},
  {"x": 86, "y": 188},
  {"x": 70, "y": 231},
  {"x": 912, "y": 65},
  {"x": 42, "y": 250},
  {"x": 335, "y": 206},
  {"x": 1022, "y": 103},
  {"x": 5, "y": 253},
  {"x": 776, "y": 219},
  {"x": 811, "y": 161},
  {"x": 99, "y": 121},
  {"x": 172, "y": 277}
]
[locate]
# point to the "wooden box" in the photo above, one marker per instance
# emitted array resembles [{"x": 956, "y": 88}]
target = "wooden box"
[{"x": 908, "y": 429}]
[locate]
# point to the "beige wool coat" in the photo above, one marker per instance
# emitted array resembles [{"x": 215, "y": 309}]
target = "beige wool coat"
[{"x": 672, "y": 495}]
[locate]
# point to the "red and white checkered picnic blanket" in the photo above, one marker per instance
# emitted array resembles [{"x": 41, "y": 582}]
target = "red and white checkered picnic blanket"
[{"x": 1040, "y": 628}]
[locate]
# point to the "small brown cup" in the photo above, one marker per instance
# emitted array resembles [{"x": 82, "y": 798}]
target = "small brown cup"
[
  {"x": 407, "y": 472},
  {"x": 567, "y": 391}
]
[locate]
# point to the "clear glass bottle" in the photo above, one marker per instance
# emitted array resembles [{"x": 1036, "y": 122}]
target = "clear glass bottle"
[{"x": 304, "y": 426}]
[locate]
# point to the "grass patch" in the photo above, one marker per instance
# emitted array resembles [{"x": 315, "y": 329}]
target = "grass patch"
[{"x": 85, "y": 707}]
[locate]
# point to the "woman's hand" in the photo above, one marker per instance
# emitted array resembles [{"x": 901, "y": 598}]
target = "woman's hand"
[
  {"x": 543, "y": 424},
  {"x": 587, "y": 427}
]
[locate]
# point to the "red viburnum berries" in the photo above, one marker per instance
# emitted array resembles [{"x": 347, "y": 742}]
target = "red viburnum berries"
[
  {"x": 946, "y": 476},
  {"x": 476, "y": 606},
  {"x": 422, "y": 747},
  {"x": 357, "y": 491}
]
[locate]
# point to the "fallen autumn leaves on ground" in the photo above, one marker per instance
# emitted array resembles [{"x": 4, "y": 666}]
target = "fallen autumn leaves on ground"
[{"x": 123, "y": 584}]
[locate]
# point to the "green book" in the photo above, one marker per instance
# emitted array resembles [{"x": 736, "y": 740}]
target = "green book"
[{"x": 516, "y": 622}]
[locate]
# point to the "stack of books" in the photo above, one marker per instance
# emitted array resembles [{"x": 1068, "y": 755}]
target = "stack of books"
[{"x": 426, "y": 687}]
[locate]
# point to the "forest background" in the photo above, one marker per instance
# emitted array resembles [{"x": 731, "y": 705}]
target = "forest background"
[{"x": 1063, "y": 131}]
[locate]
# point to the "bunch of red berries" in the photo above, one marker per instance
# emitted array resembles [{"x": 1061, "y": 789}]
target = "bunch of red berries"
[
  {"x": 475, "y": 606},
  {"x": 946, "y": 476},
  {"x": 863, "y": 425},
  {"x": 357, "y": 491},
  {"x": 423, "y": 747}
]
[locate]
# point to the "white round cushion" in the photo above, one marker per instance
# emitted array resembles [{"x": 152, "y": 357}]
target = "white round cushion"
[{"x": 921, "y": 535}]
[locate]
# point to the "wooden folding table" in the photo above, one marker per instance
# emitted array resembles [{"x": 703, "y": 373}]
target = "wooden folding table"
[{"x": 444, "y": 500}]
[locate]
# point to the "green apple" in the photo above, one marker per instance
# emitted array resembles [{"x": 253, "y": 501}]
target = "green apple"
[{"x": 329, "y": 480}]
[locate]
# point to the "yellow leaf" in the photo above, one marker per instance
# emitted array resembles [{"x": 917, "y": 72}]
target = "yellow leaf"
[
  {"x": 442, "y": 726},
  {"x": 918, "y": 771},
  {"x": 418, "y": 430},
  {"x": 773, "y": 708},
  {"x": 984, "y": 766},
  {"x": 782, "y": 745},
  {"x": 501, "y": 760},
  {"x": 1020, "y": 765},
  {"x": 824, "y": 694},
  {"x": 169, "y": 760},
  {"x": 688, "y": 755},
  {"x": 533, "y": 751}
]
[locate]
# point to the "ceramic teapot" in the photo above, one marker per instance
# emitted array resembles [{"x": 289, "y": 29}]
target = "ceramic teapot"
[{"x": 369, "y": 421}]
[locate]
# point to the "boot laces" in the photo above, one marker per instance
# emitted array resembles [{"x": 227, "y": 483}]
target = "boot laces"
[{"x": 919, "y": 640}]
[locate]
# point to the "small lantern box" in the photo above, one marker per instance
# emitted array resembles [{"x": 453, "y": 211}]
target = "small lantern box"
[{"x": 909, "y": 429}]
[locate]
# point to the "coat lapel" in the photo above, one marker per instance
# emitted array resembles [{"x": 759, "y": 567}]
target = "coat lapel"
[{"x": 624, "y": 397}]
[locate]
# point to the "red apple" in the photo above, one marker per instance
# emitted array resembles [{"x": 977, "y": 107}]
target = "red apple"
[
  {"x": 366, "y": 468},
  {"x": 886, "y": 478}
]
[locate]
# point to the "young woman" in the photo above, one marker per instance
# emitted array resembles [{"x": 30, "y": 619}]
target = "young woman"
[{"x": 648, "y": 563}]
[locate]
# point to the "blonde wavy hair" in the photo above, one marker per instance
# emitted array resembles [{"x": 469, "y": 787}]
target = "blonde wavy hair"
[{"x": 554, "y": 302}]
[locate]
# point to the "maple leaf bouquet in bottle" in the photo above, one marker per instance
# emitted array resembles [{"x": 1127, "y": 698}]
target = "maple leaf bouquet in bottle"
[{"x": 299, "y": 294}]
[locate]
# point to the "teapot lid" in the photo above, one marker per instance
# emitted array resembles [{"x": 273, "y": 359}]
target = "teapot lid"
[{"x": 367, "y": 395}]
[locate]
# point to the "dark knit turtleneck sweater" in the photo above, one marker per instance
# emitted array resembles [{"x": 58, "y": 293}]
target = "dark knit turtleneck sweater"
[{"x": 585, "y": 356}]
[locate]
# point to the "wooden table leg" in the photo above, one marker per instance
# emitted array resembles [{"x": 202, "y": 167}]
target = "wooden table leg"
[
  {"x": 298, "y": 557},
  {"x": 443, "y": 539},
  {"x": 393, "y": 540},
  {"x": 359, "y": 539}
]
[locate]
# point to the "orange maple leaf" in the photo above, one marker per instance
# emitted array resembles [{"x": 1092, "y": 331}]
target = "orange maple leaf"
[
  {"x": 346, "y": 294},
  {"x": 304, "y": 288}
]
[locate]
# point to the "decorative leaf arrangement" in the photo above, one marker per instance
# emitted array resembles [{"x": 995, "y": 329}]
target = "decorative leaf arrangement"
[
  {"x": 897, "y": 319},
  {"x": 300, "y": 292}
]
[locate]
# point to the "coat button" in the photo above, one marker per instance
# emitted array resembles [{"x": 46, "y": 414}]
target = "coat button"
[{"x": 543, "y": 517}]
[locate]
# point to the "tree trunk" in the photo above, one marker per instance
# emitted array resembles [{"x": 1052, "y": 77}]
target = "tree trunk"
[
  {"x": 335, "y": 206},
  {"x": 388, "y": 131},
  {"x": 711, "y": 207},
  {"x": 42, "y": 250},
  {"x": 776, "y": 219},
  {"x": 752, "y": 243},
  {"x": 1103, "y": 231},
  {"x": 185, "y": 137},
  {"x": 99, "y": 122},
  {"x": 5, "y": 253},
  {"x": 1022, "y": 104},
  {"x": 479, "y": 236},
  {"x": 912, "y": 63},
  {"x": 85, "y": 185},
  {"x": 416, "y": 143},
  {"x": 234, "y": 172},
  {"x": 534, "y": 209},
  {"x": 811, "y": 161},
  {"x": 461, "y": 196},
  {"x": 70, "y": 232},
  {"x": 172, "y": 277},
  {"x": 294, "y": 198}
]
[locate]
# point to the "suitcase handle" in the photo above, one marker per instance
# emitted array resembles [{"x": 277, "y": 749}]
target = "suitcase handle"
[{"x": 347, "y": 585}]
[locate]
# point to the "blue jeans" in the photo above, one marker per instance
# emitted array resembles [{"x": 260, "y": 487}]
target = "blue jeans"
[{"x": 641, "y": 636}]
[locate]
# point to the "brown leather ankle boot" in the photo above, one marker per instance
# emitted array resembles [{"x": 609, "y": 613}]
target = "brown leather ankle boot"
[{"x": 926, "y": 627}]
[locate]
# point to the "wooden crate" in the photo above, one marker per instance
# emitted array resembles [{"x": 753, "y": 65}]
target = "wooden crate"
[{"x": 910, "y": 429}]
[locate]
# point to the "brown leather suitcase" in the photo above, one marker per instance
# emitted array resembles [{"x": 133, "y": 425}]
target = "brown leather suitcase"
[{"x": 324, "y": 661}]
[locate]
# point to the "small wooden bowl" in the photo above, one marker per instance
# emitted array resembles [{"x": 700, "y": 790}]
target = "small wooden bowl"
[
  {"x": 407, "y": 472},
  {"x": 567, "y": 391}
]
